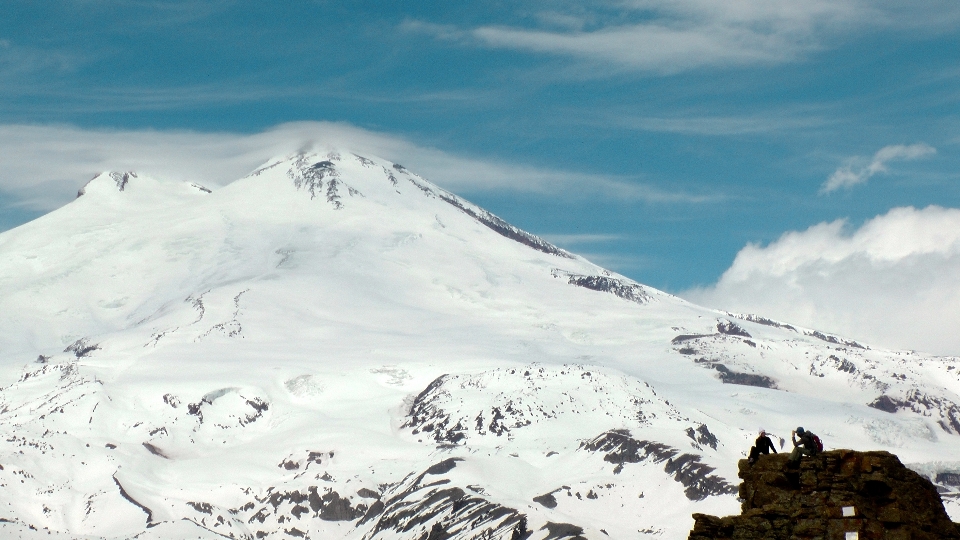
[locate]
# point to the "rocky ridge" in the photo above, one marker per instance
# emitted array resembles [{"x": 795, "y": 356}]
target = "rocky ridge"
[{"x": 837, "y": 494}]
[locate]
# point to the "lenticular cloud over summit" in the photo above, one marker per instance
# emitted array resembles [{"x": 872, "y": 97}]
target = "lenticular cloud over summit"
[{"x": 894, "y": 281}]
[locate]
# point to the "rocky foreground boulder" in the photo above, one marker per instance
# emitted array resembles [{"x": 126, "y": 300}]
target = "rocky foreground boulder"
[{"x": 840, "y": 494}]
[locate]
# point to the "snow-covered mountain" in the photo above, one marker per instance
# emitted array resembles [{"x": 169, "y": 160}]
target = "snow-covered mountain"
[{"x": 334, "y": 347}]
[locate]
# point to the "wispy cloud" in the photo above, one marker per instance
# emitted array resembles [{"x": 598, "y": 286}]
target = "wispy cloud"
[
  {"x": 18, "y": 62},
  {"x": 42, "y": 166},
  {"x": 671, "y": 36},
  {"x": 623, "y": 263},
  {"x": 857, "y": 170},
  {"x": 156, "y": 13},
  {"x": 564, "y": 240},
  {"x": 718, "y": 125},
  {"x": 59, "y": 99}
]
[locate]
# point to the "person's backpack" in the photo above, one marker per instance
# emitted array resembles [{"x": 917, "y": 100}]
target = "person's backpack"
[{"x": 818, "y": 444}]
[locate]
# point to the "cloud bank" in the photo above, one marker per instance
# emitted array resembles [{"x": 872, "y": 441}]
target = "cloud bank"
[
  {"x": 855, "y": 171},
  {"x": 41, "y": 167},
  {"x": 893, "y": 282}
]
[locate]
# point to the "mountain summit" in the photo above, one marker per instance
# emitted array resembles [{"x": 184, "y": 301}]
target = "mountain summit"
[{"x": 334, "y": 347}]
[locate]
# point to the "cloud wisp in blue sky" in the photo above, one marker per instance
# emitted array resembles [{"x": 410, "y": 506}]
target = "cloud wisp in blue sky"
[
  {"x": 853, "y": 173},
  {"x": 670, "y": 36},
  {"x": 659, "y": 137}
]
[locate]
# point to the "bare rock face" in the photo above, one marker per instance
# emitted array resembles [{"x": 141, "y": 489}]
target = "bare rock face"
[{"x": 840, "y": 494}]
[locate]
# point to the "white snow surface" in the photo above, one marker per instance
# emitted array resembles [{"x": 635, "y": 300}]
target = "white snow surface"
[{"x": 334, "y": 347}]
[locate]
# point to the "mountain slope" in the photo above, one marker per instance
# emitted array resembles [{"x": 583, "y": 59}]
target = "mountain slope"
[{"x": 335, "y": 347}]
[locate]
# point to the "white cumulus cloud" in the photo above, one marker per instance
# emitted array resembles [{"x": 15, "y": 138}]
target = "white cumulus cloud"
[
  {"x": 858, "y": 171},
  {"x": 893, "y": 282}
]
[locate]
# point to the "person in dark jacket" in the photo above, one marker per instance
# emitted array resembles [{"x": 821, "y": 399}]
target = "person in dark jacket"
[
  {"x": 763, "y": 445},
  {"x": 803, "y": 445}
]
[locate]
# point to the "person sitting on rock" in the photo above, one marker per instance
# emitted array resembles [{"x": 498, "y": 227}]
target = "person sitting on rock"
[
  {"x": 804, "y": 444},
  {"x": 763, "y": 445}
]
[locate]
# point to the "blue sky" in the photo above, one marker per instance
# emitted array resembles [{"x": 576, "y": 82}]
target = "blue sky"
[{"x": 676, "y": 131}]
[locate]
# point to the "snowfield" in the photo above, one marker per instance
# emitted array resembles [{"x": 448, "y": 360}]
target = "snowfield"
[{"x": 334, "y": 347}]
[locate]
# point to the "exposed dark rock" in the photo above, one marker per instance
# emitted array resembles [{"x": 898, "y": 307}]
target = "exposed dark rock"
[
  {"x": 154, "y": 450},
  {"x": 425, "y": 416},
  {"x": 503, "y": 228},
  {"x": 258, "y": 404},
  {"x": 948, "y": 479},
  {"x": 81, "y": 348},
  {"x": 945, "y": 411},
  {"x": 364, "y": 161},
  {"x": 336, "y": 508},
  {"x": 687, "y": 337},
  {"x": 329, "y": 506},
  {"x": 312, "y": 176},
  {"x": 438, "y": 413},
  {"x": 368, "y": 493},
  {"x": 929, "y": 405},
  {"x": 419, "y": 502},
  {"x": 618, "y": 287},
  {"x": 562, "y": 531},
  {"x": 444, "y": 466},
  {"x": 731, "y": 329},
  {"x": 829, "y": 495},
  {"x": 131, "y": 500},
  {"x": 482, "y": 216},
  {"x": 201, "y": 507},
  {"x": 438, "y": 532},
  {"x": 702, "y": 435},
  {"x": 620, "y": 448},
  {"x": 122, "y": 178},
  {"x": 390, "y": 176},
  {"x": 547, "y": 500},
  {"x": 885, "y": 403},
  {"x": 171, "y": 400},
  {"x": 195, "y": 410},
  {"x": 520, "y": 530},
  {"x": 833, "y": 339},
  {"x": 317, "y": 457},
  {"x": 746, "y": 379},
  {"x": 761, "y": 320},
  {"x": 375, "y": 510}
]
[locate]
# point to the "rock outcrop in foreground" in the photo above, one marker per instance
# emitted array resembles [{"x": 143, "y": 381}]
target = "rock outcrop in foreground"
[{"x": 840, "y": 494}]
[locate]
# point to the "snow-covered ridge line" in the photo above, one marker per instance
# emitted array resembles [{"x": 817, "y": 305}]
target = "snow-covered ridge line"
[
  {"x": 623, "y": 288},
  {"x": 829, "y": 338},
  {"x": 120, "y": 178}
]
